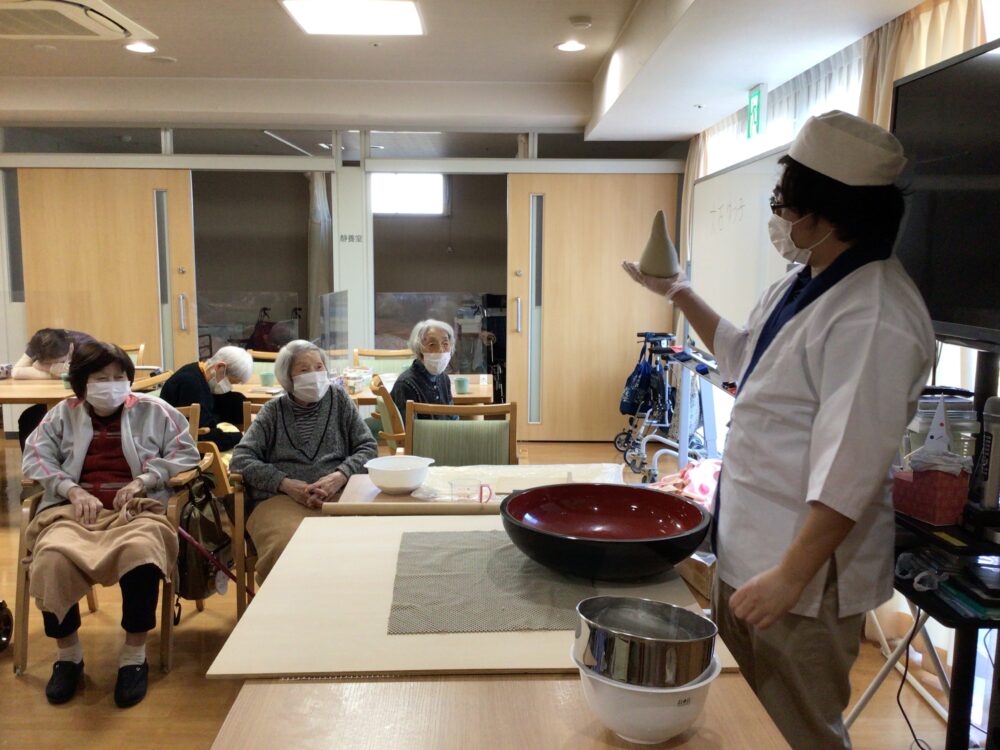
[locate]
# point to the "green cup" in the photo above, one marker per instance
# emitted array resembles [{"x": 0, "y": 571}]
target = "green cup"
[
  {"x": 267, "y": 378},
  {"x": 65, "y": 381},
  {"x": 461, "y": 384}
]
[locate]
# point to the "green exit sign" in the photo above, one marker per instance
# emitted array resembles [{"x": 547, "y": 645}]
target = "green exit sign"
[{"x": 755, "y": 110}]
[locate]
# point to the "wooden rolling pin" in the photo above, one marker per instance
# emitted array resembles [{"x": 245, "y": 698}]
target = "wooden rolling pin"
[{"x": 410, "y": 509}]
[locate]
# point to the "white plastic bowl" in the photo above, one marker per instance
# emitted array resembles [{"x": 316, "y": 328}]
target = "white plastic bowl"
[
  {"x": 646, "y": 716},
  {"x": 398, "y": 475}
]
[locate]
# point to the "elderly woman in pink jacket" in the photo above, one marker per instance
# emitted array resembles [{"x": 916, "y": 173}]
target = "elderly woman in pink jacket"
[{"x": 103, "y": 459}]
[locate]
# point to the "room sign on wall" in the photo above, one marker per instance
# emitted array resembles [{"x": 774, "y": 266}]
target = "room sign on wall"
[{"x": 756, "y": 106}]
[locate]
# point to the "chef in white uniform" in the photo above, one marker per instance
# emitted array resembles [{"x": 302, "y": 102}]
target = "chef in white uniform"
[{"x": 829, "y": 368}]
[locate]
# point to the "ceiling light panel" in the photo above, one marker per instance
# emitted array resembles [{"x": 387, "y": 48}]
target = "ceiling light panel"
[{"x": 356, "y": 17}]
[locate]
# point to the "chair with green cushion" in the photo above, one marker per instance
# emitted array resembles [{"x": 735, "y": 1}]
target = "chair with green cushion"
[
  {"x": 384, "y": 361},
  {"x": 387, "y": 423},
  {"x": 262, "y": 361},
  {"x": 465, "y": 441}
]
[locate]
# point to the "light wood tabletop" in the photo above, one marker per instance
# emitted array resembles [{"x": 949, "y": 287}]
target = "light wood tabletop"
[
  {"x": 479, "y": 393},
  {"x": 434, "y": 497},
  {"x": 522, "y": 712},
  {"x": 48, "y": 392}
]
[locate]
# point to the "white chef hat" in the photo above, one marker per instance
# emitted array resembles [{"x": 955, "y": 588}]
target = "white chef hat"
[{"x": 848, "y": 149}]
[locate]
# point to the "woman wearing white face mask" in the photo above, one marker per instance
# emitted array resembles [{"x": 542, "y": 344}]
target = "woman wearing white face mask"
[
  {"x": 426, "y": 381},
  {"x": 300, "y": 450},
  {"x": 93, "y": 454},
  {"x": 829, "y": 366},
  {"x": 210, "y": 384}
]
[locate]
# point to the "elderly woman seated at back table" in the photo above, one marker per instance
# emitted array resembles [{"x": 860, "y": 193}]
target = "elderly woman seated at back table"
[
  {"x": 426, "y": 381},
  {"x": 299, "y": 452},
  {"x": 93, "y": 455}
]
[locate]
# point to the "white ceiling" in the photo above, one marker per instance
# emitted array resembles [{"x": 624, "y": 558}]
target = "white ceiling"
[{"x": 483, "y": 65}]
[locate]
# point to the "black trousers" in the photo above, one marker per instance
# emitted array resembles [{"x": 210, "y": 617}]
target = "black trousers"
[
  {"x": 140, "y": 593},
  {"x": 30, "y": 419}
]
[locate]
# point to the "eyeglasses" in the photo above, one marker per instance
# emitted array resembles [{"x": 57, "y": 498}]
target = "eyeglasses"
[{"x": 776, "y": 205}]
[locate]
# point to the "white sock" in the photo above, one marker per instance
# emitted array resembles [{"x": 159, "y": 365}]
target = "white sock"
[
  {"x": 72, "y": 653},
  {"x": 132, "y": 656}
]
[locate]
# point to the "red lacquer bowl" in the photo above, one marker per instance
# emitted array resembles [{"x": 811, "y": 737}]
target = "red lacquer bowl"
[{"x": 604, "y": 531}]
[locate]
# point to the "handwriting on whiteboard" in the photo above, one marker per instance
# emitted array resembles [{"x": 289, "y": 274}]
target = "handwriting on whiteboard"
[{"x": 727, "y": 214}]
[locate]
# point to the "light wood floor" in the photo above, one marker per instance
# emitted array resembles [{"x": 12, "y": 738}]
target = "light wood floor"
[{"x": 183, "y": 709}]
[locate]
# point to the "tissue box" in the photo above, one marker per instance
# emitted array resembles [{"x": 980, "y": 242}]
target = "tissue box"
[
  {"x": 698, "y": 570},
  {"x": 935, "y": 497}
]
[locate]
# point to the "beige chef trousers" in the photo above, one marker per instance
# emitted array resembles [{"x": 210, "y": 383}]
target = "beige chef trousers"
[{"x": 799, "y": 667}]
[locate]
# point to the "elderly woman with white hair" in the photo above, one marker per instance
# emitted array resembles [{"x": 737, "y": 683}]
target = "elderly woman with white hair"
[
  {"x": 426, "y": 381},
  {"x": 299, "y": 452},
  {"x": 209, "y": 384}
]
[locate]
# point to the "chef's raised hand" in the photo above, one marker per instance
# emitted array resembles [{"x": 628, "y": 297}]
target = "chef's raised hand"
[
  {"x": 766, "y": 597},
  {"x": 668, "y": 287}
]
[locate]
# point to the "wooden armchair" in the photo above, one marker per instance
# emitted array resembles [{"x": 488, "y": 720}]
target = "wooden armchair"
[
  {"x": 244, "y": 553},
  {"x": 393, "y": 430},
  {"x": 136, "y": 352},
  {"x": 22, "y": 600},
  {"x": 466, "y": 441}
]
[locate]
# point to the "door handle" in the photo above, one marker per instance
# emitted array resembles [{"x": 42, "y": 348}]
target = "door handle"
[
  {"x": 517, "y": 327},
  {"x": 182, "y": 312}
]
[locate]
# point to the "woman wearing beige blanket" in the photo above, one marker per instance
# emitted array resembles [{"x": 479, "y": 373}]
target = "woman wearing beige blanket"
[
  {"x": 299, "y": 452},
  {"x": 93, "y": 455}
]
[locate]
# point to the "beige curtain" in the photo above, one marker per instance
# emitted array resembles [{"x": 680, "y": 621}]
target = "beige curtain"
[
  {"x": 927, "y": 34},
  {"x": 320, "y": 252}
]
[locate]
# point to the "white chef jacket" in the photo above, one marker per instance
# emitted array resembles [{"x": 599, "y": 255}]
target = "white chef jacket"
[{"x": 820, "y": 419}]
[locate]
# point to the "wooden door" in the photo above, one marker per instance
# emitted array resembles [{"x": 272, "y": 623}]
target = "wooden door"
[
  {"x": 90, "y": 244},
  {"x": 590, "y": 309}
]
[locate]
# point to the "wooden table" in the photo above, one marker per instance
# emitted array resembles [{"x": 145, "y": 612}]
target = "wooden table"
[
  {"x": 322, "y": 597},
  {"x": 479, "y": 393},
  {"x": 523, "y": 712},
  {"x": 362, "y": 497},
  {"x": 48, "y": 392}
]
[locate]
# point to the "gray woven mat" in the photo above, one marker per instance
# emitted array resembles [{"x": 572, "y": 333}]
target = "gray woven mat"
[{"x": 477, "y": 582}]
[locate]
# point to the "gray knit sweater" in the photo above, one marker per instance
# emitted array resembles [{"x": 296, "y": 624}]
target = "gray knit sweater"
[{"x": 272, "y": 449}]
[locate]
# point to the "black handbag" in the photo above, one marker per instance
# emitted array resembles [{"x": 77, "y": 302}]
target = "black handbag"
[{"x": 636, "y": 392}]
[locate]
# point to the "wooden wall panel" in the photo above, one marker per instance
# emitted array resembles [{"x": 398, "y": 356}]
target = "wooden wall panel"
[
  {"x": 591, "y": 309},
  {"x": 90, "y": 254}
]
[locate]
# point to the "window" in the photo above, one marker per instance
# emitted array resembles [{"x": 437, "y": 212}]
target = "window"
[{"x": 394, "y": 193}]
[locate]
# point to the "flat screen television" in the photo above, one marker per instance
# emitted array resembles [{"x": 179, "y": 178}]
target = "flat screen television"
[{"x": 948, "y": 120}]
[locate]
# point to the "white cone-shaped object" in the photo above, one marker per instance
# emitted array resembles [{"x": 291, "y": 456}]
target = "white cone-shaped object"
[
  {"x": 939, "y": 436},
  {"x": 660, "y": 256}
]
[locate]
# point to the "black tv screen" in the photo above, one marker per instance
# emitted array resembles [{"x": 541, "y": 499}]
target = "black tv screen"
[{"x": 948, "y": 119}]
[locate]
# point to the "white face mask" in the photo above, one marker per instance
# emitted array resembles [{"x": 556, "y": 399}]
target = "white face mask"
[
  {"x": 436, "y": 362},
  {"x": 108, "y": 396},
  {"x": 311, "y": 386},
  {"x": 218, "y": 385},
  {"x": 780, "y": 231}
]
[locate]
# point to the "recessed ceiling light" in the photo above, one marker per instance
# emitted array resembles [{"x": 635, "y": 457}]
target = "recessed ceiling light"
[
  {"x": 160, "y": 59},
  {"x": 571, "y": 46},
  {"x": 356, "y": 17},
  {"x": 324, "y": 145},
  {"x": 143, "y": 48}
]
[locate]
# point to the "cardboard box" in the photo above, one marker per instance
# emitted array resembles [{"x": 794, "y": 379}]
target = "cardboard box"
[{"x": 698, "y": 570}]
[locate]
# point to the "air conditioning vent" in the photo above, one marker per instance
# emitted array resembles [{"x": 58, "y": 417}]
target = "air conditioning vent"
[{"x": 93, "y": 20}]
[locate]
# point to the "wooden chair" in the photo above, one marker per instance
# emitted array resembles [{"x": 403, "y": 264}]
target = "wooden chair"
[
  {"x": 152, "y": 383},
  {"x": 250, "y": 410},
  {"x": 384, "y": 360},
  {"x": 392, "y": 428},
  {"x": 244, "y": 553},
  {"x": 28, "y": 509},
  {"x": 135, "y": 352},
  {"x": 220, "y": 475},
  {"x": 466, "y": 441},
  {"x": 262, "y": 361}
]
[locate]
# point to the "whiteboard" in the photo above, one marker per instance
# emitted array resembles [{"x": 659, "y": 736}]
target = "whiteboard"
[{"x": 732, "y": 258}]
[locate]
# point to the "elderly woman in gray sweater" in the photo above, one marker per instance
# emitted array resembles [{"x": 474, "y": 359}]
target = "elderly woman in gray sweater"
[{"x": 299, "y": 452}]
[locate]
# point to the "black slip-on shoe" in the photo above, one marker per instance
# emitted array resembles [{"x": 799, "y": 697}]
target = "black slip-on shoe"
[
  {"x": 66, "y": 677},
  {"x": 130, "y": 688}
]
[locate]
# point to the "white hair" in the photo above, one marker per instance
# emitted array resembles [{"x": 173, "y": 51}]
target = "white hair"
[
  {"x": 421, "y": 329},
  {"x": 238, "y": 362},
  {"x": 286, "y": 360}
]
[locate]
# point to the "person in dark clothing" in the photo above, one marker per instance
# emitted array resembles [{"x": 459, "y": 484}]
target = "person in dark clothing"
[
  {"x": 426, "y": 381},
  {"x": 47, "y": 356},
  {"x": 210, "y": 385}
]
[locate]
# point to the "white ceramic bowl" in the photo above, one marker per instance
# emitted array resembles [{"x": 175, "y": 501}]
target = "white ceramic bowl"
[
  {"x": 398, "y": 475},
  {"x": 646, "y": 716}
]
